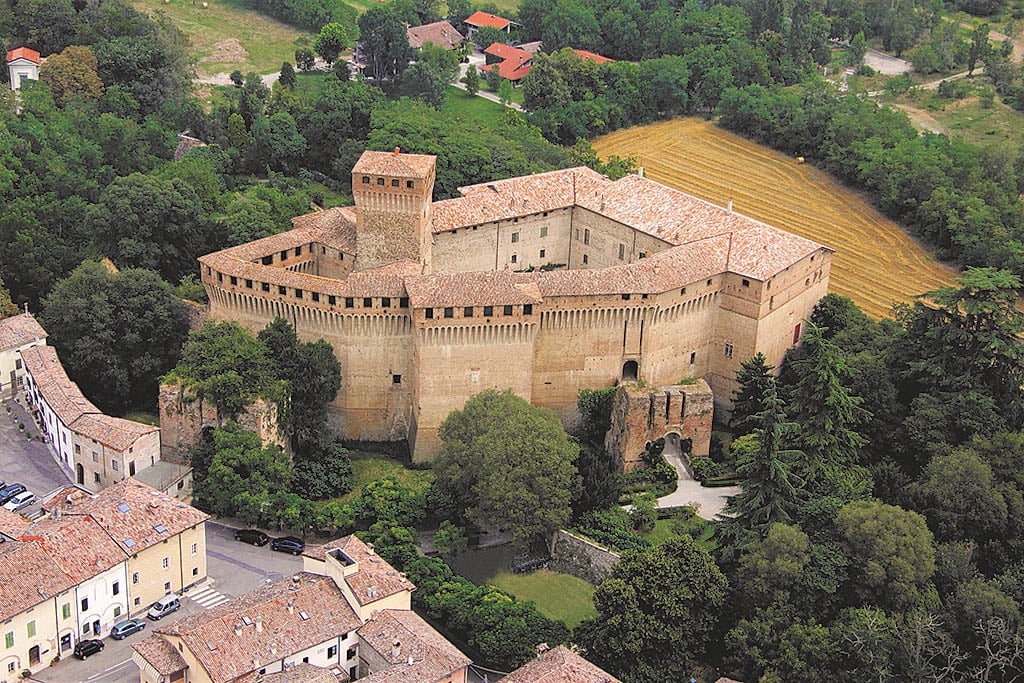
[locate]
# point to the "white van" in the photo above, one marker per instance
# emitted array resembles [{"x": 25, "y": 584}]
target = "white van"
[{"x": 164, "y": 606}]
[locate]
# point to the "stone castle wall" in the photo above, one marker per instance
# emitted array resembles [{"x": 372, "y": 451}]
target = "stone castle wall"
[{"x": 581, "y": 558}]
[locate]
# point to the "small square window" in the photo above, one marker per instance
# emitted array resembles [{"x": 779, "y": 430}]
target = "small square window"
[
  {"x": 234, "y": 280},
  {"x": 514, "y": 258},
  {"x": 429, "y": 313},
  {"x": 625, "y": 297},
  {"x": 116, "y": 587},
  {"x": 409, "y": 184},
  {"x": 220, "y": 277},
  {"x": 543, "y": 253},
  {"x": 265, "y": 286},
  {"x": 394, "y": 182},
  {"x": 488, "y": 311},
  {"x": 298, "y": 293},
  {"x": 284, "y": 254},
  {"x": 282, "y": 290},
  {"x": 315, "y": 295},
  {"x": 85, "y": 604},
  {"x": 508, "y": 310},
  {"x": 195, "y": 571},
  {"x": 385, "y": 302},
  {"x": 396, "y": 379},
  {"x": 515, "y": 237},
  {"x": 403, "y": 302},
  {"x": 746, "y": 283},
  {"x": 449, "y": 312},
  {"x": 267, "y": 260},
  {"x": 367, "y": 302},
  {"x": 96, "y": 477},
  {"x": 137, "y": 601},
  {"x": 527, "y": 309},
  {"x": 467, "y": 312},
  {"x": 544, "y": 228},
  {"x": 682, "y": 292},
  {"x": 728, "y": 350},
  {"x": 349, "y": 302},
  {"x": 331, "y": 299},
  {"x": 117, "y": 611},
  {"x": 248, "y": 284},
  {"x": 380, "y": 181},
  {"x": 167, "y": 585},
  {"x": 366, "y": 180},
  {"x": 708, "y": 283},
  {"x": 585, "y": 259}
]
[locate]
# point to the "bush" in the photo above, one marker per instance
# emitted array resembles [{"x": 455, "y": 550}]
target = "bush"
[
  {"x": 865, "y": 70},
  {"x": 610, "y": 528},
  {"x": 704, "y": 468},
  {"x": 643, "y": 515},
  {"x": 721, "y": 481}
]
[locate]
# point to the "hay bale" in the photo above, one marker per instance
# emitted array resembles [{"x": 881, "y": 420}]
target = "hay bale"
[{"x": 799, "y": 160}]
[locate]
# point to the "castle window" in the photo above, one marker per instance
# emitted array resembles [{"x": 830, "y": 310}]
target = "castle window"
[
  {"x": 515, "y": 220},
  {"x": 709, "y": 283},
  {"x": 488, "y": 311},
  {"x": 385, "y": 302},
  {"x": 693, "y": 357},
  {"x": 449, "y": 311},
  {"x": 543, "y": 252},
  {"x": 682, "y": 292},
  {"x": 746, "y": 283},
  {"x": 349, "y": 302},
  {"x": 403, "y": 302},
  {"x": 622, "y": 251},
  {"x": 514, "y": 258},
  {"x": 467, "y": 312},
  {"x": 527, "y": 309},
  {"x": 585, "y": 259},
  {"x": 380, "y": 181},
  {"x": 544, "y": 228},
  {"x": 316, "y": 296},
  {"x": 298, "y": 251},
  {"x": 284, "y": 254},
  {"x": 643, "y": 254},
  {"x": 409, "y": 184},
  {"x": 331, "y": 299},
  {"x": 515, "y": 237},
  {"x": 728, "y": 350},
  {"x": 208, "y": 270},
  {"x": 508, "y": 310},
  {"x": 323, "y": 250},
  {"x": 812, "y": 259},
  {"x": 396, "y": 379},
  {"x": 394, "y": 182},
  {"x": 248, "y": 284},
  {"x": 625, "y": 297},
  {"x": 267, "y": 260},
  {"x": 366, "y": 180},
  {"x": 806, "y": 282},
  {"x": 643, "y": 296},
  {"x": 234, "y": 280},
  {"x": 367, "y": 302},
  {"x": 282, "y": 290},
  {"x": 341, "y": 256},
  {"x": 298, "y": 293},
  {"x": 429, "y": 313},
  {"x": 265, "y": 286},
  {"x": 586, "y": 236}
]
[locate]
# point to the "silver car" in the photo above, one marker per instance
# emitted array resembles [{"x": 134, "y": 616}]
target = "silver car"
[{"x": 20, "y": 501}]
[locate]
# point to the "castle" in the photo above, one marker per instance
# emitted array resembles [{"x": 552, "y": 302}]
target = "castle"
[{"x": 547, "y": 284}]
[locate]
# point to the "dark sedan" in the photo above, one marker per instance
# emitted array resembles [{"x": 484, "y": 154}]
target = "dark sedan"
[
  {"x": 253, "y": 536},
  {"x": 88, "y": 647},
  {"x": 288, "y": 544}
]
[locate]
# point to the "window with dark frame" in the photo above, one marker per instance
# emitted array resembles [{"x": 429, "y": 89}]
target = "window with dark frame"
[
  {"x": 449, "y": 312},
  {"x": 467, "y": 312},
  {"x": 488, "y": 311},
  {"x": 367, "y": 302},
  {"x": 508, "y": 310}
]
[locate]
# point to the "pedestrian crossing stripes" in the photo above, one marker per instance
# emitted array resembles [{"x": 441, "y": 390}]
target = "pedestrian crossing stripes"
[{"x": 207, "y": 597}]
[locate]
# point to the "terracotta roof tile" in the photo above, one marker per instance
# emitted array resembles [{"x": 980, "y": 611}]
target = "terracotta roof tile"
[
  {"x": 440, "y": 33},
  {"x": 422, "y": 654},
  {"x": 27, "y": 577},
  {"x": 560, "y": 665},
  {"x": 514, "y": 69},
  {"x": 77, "y": 544},
  {"x": 395, "y": 164},
  {"x": 481, "y": 288},
  {"x": 226, "y": 653},
  {"x": 593, "y": 56},
  {"x": 12, "y": 524},
  {"x": 376, "y": 579},
  {"x": 23, "y": 53},
  {"x": 303, "y": 673},
  {"x": 480, "y": 18},
  {"x": 161, "y": 655},
  {"x": 19, "y": 330}
]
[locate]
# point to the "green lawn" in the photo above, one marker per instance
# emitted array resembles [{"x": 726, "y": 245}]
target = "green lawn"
[
  {"x": 369, "y": 467},
  {"x": 472, "y": 107},
  {"x": 558, "y": 596},
  {"x": 144, "y": 418},
  {"x": 266, "y": 42}
]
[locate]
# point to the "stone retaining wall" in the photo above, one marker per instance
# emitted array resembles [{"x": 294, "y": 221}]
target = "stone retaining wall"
[{"x": 581, "y": 558}]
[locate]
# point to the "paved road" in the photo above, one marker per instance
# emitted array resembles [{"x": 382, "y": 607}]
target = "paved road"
[
  {"x": 29, "y": 462},
  {"x": 235, "y": 568}
]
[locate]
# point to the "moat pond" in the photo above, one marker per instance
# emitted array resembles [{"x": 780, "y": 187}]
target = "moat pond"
[{"x": 558, "y": 596}]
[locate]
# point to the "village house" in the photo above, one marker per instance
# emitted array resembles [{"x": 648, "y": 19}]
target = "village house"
[
  {"x": 347, "y": 615},
  {"x": 440, "y": 33},
  {"x": 513, "y": 63},
  {"x": 17, "y": 333},
  {"x": 89, "y": 562},
  {"x": 479, "y": 19},
  {"x": 22, "y": 65},
  {"x": 559, "y": 665}
]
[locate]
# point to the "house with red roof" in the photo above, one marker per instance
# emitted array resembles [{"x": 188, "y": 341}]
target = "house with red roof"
[
  {"x": 440, "y": 33},
  {"x": 511, "y": 62},
  {"x": 22, "y": 65},
  {"x": 480, "y": 19},
  {"x": 587, "y": 55}
]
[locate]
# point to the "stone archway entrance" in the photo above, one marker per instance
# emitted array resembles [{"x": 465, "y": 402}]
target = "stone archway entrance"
[
  {"x": 630, "y": 371},
  {"x": 674, "y": 455}
]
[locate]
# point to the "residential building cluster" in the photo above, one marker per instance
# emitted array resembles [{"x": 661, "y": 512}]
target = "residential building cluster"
[{"x": 90, "y": 561}]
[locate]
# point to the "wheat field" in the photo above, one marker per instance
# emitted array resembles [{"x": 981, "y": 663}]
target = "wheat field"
[{"x": 876, "y": 263}]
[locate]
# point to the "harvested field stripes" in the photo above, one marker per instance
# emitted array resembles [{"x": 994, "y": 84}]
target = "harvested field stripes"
[{"x": 876, "y": 263}]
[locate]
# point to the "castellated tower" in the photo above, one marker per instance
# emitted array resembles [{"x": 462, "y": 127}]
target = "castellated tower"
[{"x": 393, "y": 194}]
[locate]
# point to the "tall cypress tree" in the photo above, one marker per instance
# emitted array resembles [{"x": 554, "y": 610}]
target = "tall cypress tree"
[{"x": 754, "y": 376}]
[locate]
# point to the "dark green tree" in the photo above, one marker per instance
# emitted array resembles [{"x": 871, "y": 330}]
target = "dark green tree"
[
  {"x": 754, "y": 377},
  {"x": 472, "y": 80},
  {"x": 287, "y": 78},
  {"x": 332, "y": 39},
  {"x": 385, "y": 42},
  {"x": 305, "y": 59}
]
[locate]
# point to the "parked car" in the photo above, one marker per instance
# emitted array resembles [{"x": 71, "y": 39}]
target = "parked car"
[
  {"x": 20, "y": 501},
  {"x": 164, "y": 606},
  {"x": 288, "y": 544},
  {"x": 253, "y": 536},
  {"x": 123, "y": 629},
  {"x": 10, "y": 491},
  {"x": 88, "y": 647}
]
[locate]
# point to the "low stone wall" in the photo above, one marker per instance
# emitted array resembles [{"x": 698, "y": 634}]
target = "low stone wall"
[{"x": 581, "y": 558}]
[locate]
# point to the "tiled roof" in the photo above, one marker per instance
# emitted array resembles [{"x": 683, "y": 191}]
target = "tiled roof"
[
  {"x": 480, "y": 288},
  {"x": 318, "y": 613},
  {"x": 395, "y": 164},
  {"x": 12, "y": 524},
  {"x": 75, "y": 410},
  {"x": 161, "y": 655},
  {"x": 303, "y": 673},
  {"x": 77, "y": 544},
  {"x": 132, "y": 513},
  {"x": 376, "y": 579},
  {"x": 480, "y": 18},
  {"x": 533, "y": 48},
  {"x": 593, "y": 56},
  {"x": 421, "y": 653},
  {"x": 514, "y": 68},
  {"x": 19, "y": 330},
  {"x": 560, "y": 665},
  {"x": 335, "y": 228},
  {"x": 23, "y": 53},
  {"x": 440, "y": 33},
  {"x": 27, "y": 577},
  {"x": 503, "y": 51}
]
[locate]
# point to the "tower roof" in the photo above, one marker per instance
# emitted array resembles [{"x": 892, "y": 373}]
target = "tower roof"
[{"x": 395, "y": 164}]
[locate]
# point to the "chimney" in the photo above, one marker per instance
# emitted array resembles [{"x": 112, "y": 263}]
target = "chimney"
[
  {"x": 273, "y": 649},
  {"x": 396, "y": 650},
  {"x": 291, "y": 607},
  {"x": 259, "y": 624},
  {"x": 395, "y": 153},
  {"x": 238, "y": 628},
  {"x": 256, "y": 663}
]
